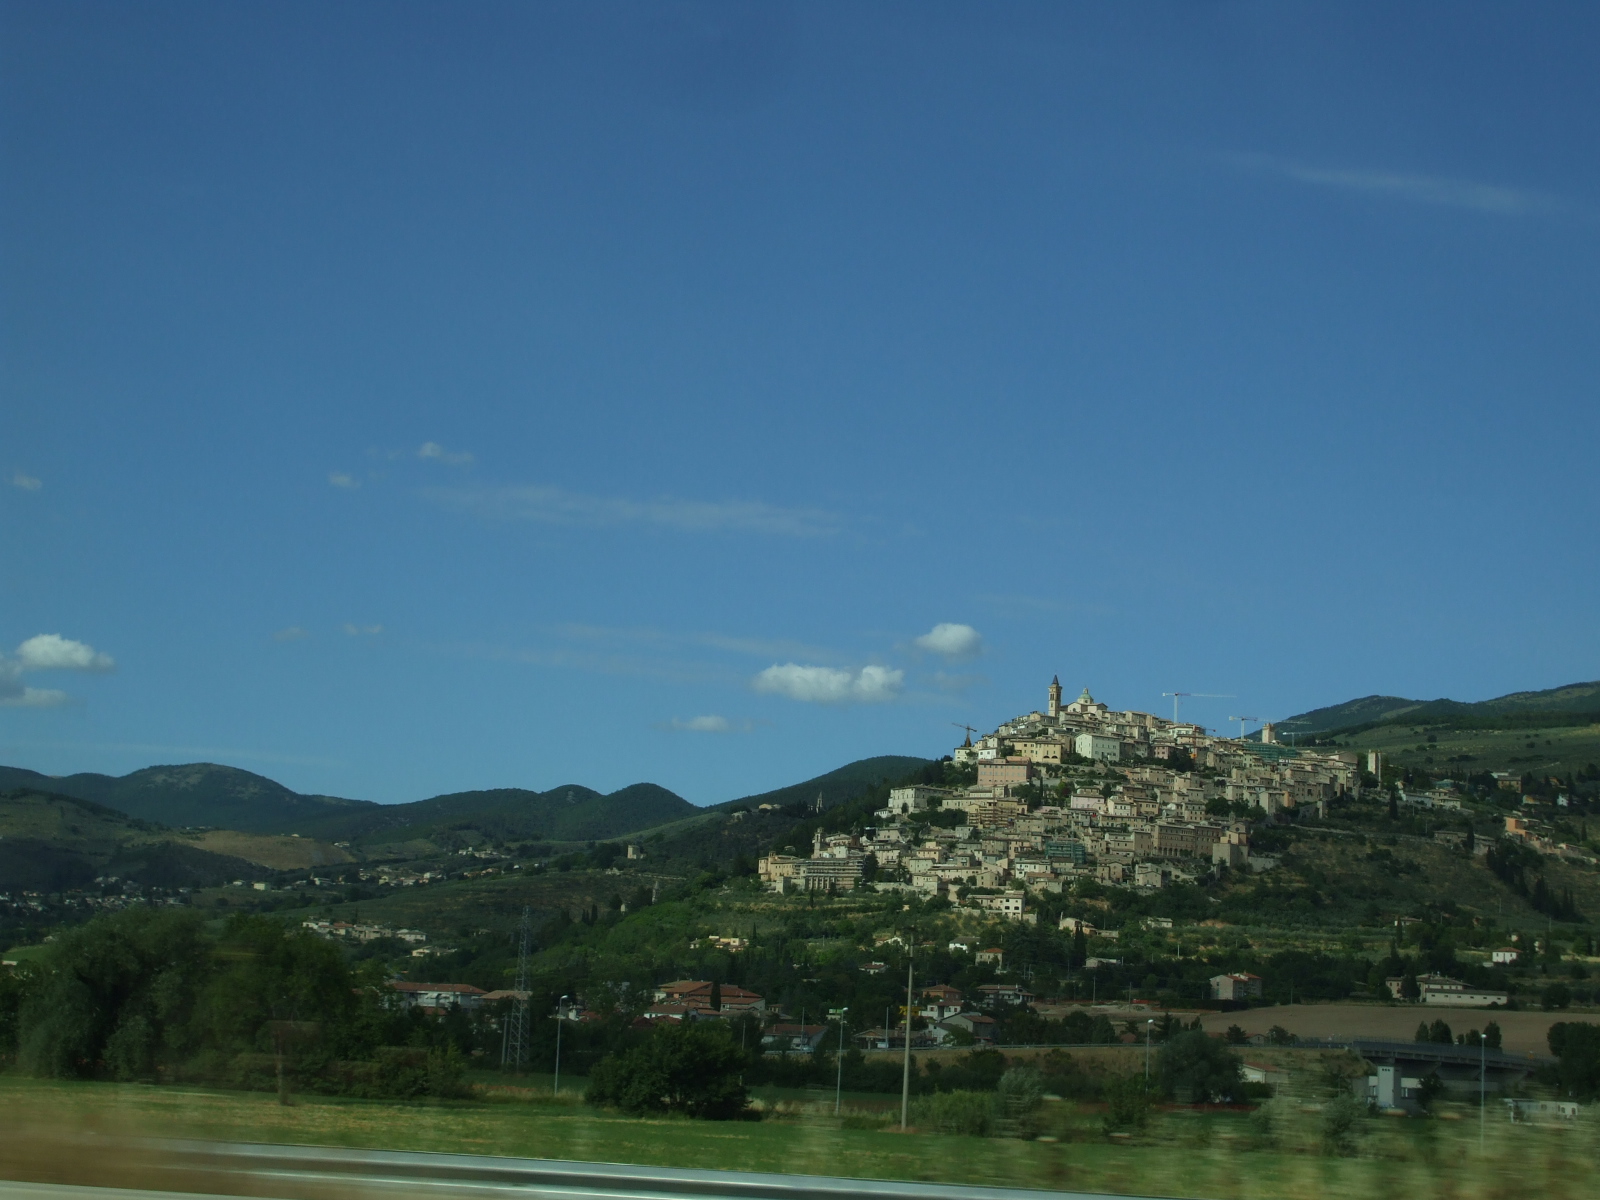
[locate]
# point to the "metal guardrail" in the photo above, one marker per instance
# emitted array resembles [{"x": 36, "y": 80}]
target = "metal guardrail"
[{"x": 268, "y": 1170}]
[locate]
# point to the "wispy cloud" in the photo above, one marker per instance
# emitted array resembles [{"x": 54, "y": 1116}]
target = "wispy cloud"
[
  {"x": 557, "y": 506},
  {"x": 951, "y": 640},
  {"x": 664, "y": 667},
  {"x": 450, "y": 458},
  {"x": 341, "y": 480},
  {"x": 711, "y": 723},
  {"x": 1488, "y": 198},
  {"x": 28, "y": 483},
  {"x": 216, "y": 754},
  {"x": 362, "y": 630},
  {"x": 754, "y": 647},
  {"x": 292, "y": 634},
  {"x": 14, "y": 694},
  {"x": 830, "y": 685}
]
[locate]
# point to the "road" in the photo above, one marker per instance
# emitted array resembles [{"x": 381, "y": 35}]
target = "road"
[{"x": 180, "y": 1170}]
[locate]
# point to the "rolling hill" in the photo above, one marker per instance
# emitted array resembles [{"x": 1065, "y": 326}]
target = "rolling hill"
[
  {"x": 1569, "y": 704},
  {"x": 570, "y": 813},
  {"x": 192, "y": 794},
  {"x": 218, "y": 797},
  {"x": 51, "y": 842},
  {"x": 836, "y": 786}
]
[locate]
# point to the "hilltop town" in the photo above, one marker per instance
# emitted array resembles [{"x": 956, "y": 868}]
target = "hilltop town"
[{"x": 1075, "y": 791}]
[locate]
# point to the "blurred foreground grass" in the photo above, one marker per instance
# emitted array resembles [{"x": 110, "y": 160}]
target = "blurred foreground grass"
[{"x": 1278, "y": 1152}]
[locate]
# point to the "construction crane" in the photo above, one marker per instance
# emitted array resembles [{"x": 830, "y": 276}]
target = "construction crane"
[
  {"x": 970, "y": 729},
  {"x": 1241, "y": 721},
  {"x": 1196, "y": 695}
]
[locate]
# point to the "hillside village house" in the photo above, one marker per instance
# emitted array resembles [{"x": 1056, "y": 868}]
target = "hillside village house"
[
  {"x": 1004, "y": 993},
  {"x": 1442, "y": 990},
  {"x": 694, "y": 995},
  {"x": 437, "y": 997},
  {"x": 795, "y": 1039},
  {"x": 1239, "y": 985},
  {"x": 939, "y": 1002}
]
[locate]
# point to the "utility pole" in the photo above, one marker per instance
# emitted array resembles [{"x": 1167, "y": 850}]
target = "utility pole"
[
  {"x": 1148, "y": 1022},
  {"x": 905, "y": 1070},
  {"x": 561, "y": 1008},
  {"x": 514, "y": 1043}
]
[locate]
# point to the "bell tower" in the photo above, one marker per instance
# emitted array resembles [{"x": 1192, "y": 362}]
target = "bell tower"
[{"x": 1055, "y": 696}]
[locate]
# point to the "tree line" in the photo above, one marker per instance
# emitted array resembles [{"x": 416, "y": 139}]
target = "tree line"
[{"x": 147, "y": 994}]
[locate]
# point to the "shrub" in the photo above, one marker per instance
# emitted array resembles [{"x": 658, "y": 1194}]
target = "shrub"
[
  {"x": 969, "y": 1113},
  {"x": 1341, "y": 1124},
  {"x": 691, "y": 1069},
  {"x": 1194, "y": 1068},
  {"x": 1017, "y": 1102},
  {"x": 1128, "y": 1103}
]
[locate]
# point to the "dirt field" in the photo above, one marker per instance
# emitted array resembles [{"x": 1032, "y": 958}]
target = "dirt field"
[
  {"x": 279, "y": 853},
  {"x": 1523, "y": 1032}
]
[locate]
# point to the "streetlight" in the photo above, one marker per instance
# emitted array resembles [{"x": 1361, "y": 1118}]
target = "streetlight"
[
  {"x": 1148, "y": 1022},
  {"x": 838, "y": 1085},
  {"x": 561, "y": 1008},
  {"x": 905, "y": 1073},
  {"x": 1483, "y": 1084}
]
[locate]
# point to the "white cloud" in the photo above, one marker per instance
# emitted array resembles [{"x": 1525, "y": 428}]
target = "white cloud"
[
  {"x": 557, "y": 506},
  {"x": 829, "y": 685},
  {"x": 340, "y": 480},
  {"x": 451, "y": 458},
  {"x": 52, "y": 652},
  {"x": 28, "y": 483},
  {"x": 1487, "y": 198},
  {"x": 952, "y": 640},
  {"x": 292, "y": 634},
  {"x": 362, "y": 630}
]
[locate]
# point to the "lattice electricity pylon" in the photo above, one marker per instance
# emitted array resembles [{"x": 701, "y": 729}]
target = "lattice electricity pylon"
[{"x": 514, "y": 1042}]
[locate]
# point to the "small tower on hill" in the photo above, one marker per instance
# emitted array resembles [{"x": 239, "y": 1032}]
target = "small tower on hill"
[{"x": 1055, "y": 696}]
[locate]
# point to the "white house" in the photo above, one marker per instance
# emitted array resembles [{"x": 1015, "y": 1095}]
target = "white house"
[{"x": 1235, "y": 986}]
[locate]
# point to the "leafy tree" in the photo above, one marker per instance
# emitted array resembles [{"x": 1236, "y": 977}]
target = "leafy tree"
[
  {"x": 1555, "y": 995},
  {"x": 1440, "y": 1033},
  {"x": 1195, "y": 1068},
  {"x": 692, "y": 1068},
  {"x": 1235, "y": 1036},
  {"x": 117, "y": 996},
  {"x": 1491, "y": 1035},
  {"x": 1422, "y": 1034},
  {"x": 268, "y": 974},
  {"x": 1576, "y": 1045}
]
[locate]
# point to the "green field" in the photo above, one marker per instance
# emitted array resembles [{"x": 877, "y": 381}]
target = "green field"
[
  {"x": 1563, "y": 751},
  {"x": 1180, "y": 1153}
]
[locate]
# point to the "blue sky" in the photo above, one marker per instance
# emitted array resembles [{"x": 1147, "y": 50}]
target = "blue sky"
[{"x": 401, "y": 398}]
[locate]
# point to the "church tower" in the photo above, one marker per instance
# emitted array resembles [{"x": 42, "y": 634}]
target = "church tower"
[{"x": 1055, "y": 696}]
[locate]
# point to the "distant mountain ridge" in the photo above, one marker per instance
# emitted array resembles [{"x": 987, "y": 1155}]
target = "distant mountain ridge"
[
  {"x": 208, "y": 794},
  {"x": 222, "y": 797},
  {"x": 1561, "y": 705},
  {"x": 192, "y": 794}
]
